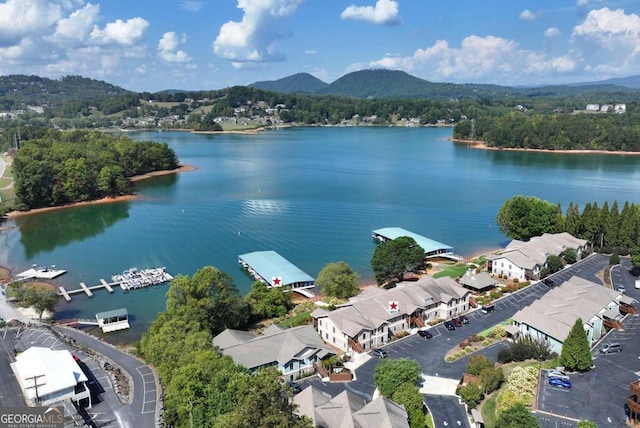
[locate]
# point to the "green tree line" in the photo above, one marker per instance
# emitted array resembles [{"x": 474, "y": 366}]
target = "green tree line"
[
  {"x": 55, "y": 167},
  {"x": 606, "y": 227},
  {"x": 552, "y": 131}
]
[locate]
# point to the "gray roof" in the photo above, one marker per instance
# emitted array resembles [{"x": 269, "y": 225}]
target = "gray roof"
[
  {"x": 277, "y": 346},
  {"x": 427, "y": 244},
  {"x": 112, "y": 314},
  {"x": 347, "y": 410},
  {"x": 535, "y": 251},
  {"x": 555, "y": 313},
  {"x": 477, "y": 281},
  {"x": 370, "y": 309},
  {"x": 269, "y": 264}
]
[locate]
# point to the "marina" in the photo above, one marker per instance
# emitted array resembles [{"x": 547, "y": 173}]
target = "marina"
[
  {"x": 133, "y": 279},
  {"x": 274, "y": 270},
  {"x": 130, "y": 279}
]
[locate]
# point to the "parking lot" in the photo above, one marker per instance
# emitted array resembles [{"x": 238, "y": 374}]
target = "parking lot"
[
  {"x": 600, "y": 394},
  {"x": 107, "y": 406}
]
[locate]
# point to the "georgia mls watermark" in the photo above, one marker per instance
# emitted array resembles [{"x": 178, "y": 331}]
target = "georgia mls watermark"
[{"x": 32, "y": 417}]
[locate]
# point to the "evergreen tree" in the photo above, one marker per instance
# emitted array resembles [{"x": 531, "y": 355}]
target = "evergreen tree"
[
  {"x": 572, "y": 222},
  {"x": 591, "y": 222},
  {"x": 628, "y": 231},
  {"x": 612, "y": 226},
  {"x": 576, "y": 354}
]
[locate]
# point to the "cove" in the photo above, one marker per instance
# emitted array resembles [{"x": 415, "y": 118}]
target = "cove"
[{"x": 312, "y": 194}]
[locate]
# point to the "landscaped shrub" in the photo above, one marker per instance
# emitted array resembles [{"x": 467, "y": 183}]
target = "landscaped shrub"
[
  {"x": 523, "y": 349},
  {"x": 498, "y": 332},
  {"x": 471, "y": 394},
  {"x": 521, "y": 387}
]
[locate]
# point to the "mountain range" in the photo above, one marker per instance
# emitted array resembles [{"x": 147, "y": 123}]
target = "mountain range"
[{"x": 398, "y": 84}]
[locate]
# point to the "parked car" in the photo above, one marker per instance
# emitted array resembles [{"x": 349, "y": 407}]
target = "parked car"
[
  {"x": 380, "y": 353},
  {"x": 548, "y": 282},
  {"x": 622, "y": 289},
  {"x": 463, "y": 319},
  {"x": 610, "y": 348},
  {"x": 425, "y": 333},
  {"x": 558, "y": 374},
  {"x": 488, "y": 308},
  {"x": 449, "y": 325},
  {"x": 556, "y": 381},
  {"x": 457, "y": 322},
  {"x": 296, "y": 388}
]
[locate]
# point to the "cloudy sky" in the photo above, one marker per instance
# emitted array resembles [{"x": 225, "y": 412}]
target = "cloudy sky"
[{"x": 150, "y": 45}]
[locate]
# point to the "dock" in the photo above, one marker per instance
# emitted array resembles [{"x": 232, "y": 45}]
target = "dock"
[
  {"x": 130, "y": 280},
  {"x": 40, "y": 272}
]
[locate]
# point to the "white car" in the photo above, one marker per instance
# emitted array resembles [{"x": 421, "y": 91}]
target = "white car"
[{"x": 558, "y": 374}]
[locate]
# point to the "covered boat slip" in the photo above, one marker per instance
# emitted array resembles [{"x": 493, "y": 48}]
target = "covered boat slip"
[
  {"x": 431, "y": 248},
  {"x": 115, "y": 320},
  {"x": 274, "y": 270}
]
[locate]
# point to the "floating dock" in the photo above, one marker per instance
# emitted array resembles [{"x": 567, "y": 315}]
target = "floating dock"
[
  {"x": 130, "y": 279},
  {"x": 40, "y": 272},
  {"x": 432, "y": 249}
]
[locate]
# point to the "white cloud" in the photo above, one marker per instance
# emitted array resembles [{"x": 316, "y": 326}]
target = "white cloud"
[
  {"x": 552, "y": 32},
  {"x": 487, "y": 59},
  {"x": 582, "y": 3},
  {"x": 75, "y": 29},
  {"x": 252, "y": 39},
  {"x": 385, "y": 12},
  {"x": 28, "y": 18},
  {"x": 120, "y": 32},
  {"x": 608, "y": 41},
  {"x": 192, "y": 5},
  {"x": 168, "y": 48},
  {"x": 310, "y": 52},
  {"x": 527, "y": 15}
]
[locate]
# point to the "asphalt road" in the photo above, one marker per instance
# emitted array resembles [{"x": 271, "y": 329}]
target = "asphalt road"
[{"x": 141, "y": 412}]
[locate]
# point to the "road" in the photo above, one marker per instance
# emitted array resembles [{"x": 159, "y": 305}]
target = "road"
[{"x": 142, "y": 411}]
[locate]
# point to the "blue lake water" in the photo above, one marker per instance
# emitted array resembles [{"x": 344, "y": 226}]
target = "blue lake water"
[{"x": 312, "y": 194}]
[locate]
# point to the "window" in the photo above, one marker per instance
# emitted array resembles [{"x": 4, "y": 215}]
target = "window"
[
  {"x": 334, "y": 329},
  {"x": 364, "y": 336},
  {"x": 320, "y": 323},
  {"x": 334, "y": 339}
]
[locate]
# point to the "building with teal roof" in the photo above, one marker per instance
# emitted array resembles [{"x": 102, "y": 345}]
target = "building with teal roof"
[
  {"x": 274, "y": 270},
  {"x": 431, "y": 248}
]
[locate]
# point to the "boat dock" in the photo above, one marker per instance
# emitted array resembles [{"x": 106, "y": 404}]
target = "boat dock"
[
  {"x": 131, "y": 279},
  {"x": 40, "y": 272},
  {"x": 85, "y": 289}
]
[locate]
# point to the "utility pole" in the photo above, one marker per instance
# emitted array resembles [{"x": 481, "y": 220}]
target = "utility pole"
[{"x": 35, "y": 385}]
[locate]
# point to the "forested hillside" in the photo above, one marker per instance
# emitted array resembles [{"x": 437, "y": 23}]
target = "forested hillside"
[
  {"x": 53, "y": 167},
  {"x": 551, "y": 131}
]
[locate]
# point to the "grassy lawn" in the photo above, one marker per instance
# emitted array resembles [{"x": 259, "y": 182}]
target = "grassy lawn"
[
  {"x": 454, "y": 271},
  {"x": 298, "y": 319}
]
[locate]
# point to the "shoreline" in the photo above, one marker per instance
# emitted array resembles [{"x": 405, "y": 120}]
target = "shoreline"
[
  {"x": 481, "y": 145},
  {"x": 106, "y": 199}
]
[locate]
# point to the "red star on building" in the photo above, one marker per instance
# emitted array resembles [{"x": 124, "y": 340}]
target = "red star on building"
[
  {"x": 276, "y": 280},
  {"x": 393, "y": 306}
]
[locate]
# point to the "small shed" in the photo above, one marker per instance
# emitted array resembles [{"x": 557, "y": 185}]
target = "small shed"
[{"x": 117, "y": 319}]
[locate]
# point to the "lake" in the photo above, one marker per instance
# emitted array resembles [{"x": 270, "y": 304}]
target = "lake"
[{"x": 312, "y": 194}]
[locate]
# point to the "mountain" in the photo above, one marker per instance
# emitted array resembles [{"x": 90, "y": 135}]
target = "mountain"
[
  {"x": 381, "y": 83},
  {"x": 301, "y": 82},
  {"x": 627, "y": 82}
]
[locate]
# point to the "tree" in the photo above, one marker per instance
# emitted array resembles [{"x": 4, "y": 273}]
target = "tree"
[
  {"x": 338, "y": 280},
  {"x": 553, "y": 265},
  {"x": 409, "y": 396},
  {"x": 586, "y": 424},
  {"x": 391, "y": 374},
  {"x": 214, "y": 292},
  {"x": 393, "y": 258},
  {"x": 265, "y": 302},
  {"x": 570, "y": 255},
  {"x": 471, "y": 394},
  {"x": 262, "y": 403},
  {"x": 41, "y": 299},
  {"x": 477, "y": 363},
  {"x": 576, "y": 354},
  {"x": 517, "y": 416},
  {"x": 635, "y": 261},
  {"x": 523, "y": 217}
]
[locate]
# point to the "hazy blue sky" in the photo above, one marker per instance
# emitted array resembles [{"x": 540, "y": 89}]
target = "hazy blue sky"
[{"x": 150, "y": 45}]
